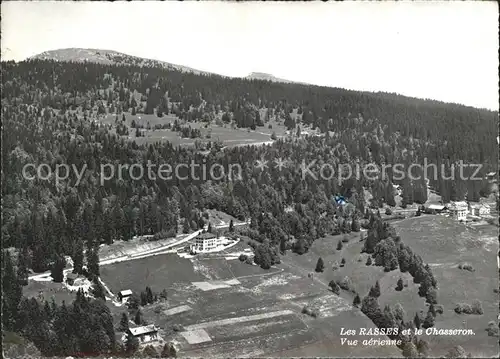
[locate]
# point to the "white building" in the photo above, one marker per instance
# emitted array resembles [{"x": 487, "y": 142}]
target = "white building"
[
  {"x": 459, "y": 210},
  {"x": 205, "y": 242},
  {"x": 480, "y": 210},
  {"x": 436, "y": 207},
  {"x": 145, "y": 334}
]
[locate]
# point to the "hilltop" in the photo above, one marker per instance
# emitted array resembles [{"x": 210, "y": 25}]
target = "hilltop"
[
  {"x": 109, "y": 57},
  {"x": 266, "y": 77}
]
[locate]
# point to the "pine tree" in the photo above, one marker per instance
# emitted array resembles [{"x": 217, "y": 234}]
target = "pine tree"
[
  {"x": 334, "y": 287},
  {"x": 399, "y": 286},
  {"x": 423, "y": 348},
  {"x": 410, "y": 350},
  {"x": 12, "y": 292},
  {"x": 78, "y": 257},
  {"x": 375, "y": 290},
  {"x": 356, "y": 226},
  {"x": 371, "y": 308},
  {"x": 432, "y": 310},
  {"x": 283, "y": 246},
  {"x": 369, "y": 261},
  {"x": 169, "y": 351},
  {"x": 428, "y": 321},
  {"x": 93, "y": 261},
  {"x": 57, "y": 270},
  {"x": 320, "y": 266},
  {"x": 98, "y": 290},
  {"x": 339, "y": 245},
  {"x": 149, "y": 295},
  {"x": 185, "y": 227},
  {"x": 131, "y": 344},
  {"x": 209, "y": 227},
  {"x": 431, "y": 296},
  {"x": 22, "y": 266},
  {"x": 357, "y": 300},
  {"x": 231, "y": 226},
  {"x": 138, "y": 318},
  {"x": 123, "y": 326},
  {"x": 47, "y": 310}
]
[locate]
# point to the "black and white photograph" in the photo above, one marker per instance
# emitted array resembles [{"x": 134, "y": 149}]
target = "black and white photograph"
[{"x": 223, "y": 179}]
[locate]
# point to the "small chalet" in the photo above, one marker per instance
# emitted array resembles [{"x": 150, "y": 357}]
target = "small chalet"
[
  {"x": 124, "y": 295},
  {"x": 145, "y": 334},
  {"x": 459, "y": 210},
  {"x": 480, "y": 210}
]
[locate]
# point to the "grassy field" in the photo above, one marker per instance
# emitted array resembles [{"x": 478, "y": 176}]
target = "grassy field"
[
  {"x": 228, "y": 135},
  {"x": 444, "y": 244},
  {"x": 258, "y": 314},
  {"x": 48, "y": 290},
  {"x": 158, "y": 272}
]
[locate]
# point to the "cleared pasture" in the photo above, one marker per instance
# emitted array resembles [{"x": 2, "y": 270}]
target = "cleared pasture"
[
  {"x": 444, "y": 244},
  {"x": 226, "y": 133},
  {"x": 158, "y": 272}
]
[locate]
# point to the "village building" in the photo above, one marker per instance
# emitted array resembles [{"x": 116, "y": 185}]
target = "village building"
[
  {"x": 145, "y": 334},
  {"x": 480, "y": 210},
  {"x": 458, "y": 210},
  {"x": 437, "y": 208},
  {"x": 205, "y": 242},
  {"x": 124, "y": 295}
]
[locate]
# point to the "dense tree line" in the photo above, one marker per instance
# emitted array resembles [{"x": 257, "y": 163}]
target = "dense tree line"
[{"x": 390, "y": 252}]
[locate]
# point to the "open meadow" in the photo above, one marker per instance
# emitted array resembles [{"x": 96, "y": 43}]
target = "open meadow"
[
  {"x": 443, "y": 244},
  {"x": 228, "y": 135},
  {"x": 219, "y": 306}
]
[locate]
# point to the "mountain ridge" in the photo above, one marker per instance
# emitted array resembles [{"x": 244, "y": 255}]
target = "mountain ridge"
[{"x": 112, "y": 57}]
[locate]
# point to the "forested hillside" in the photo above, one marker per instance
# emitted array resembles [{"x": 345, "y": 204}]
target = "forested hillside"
[
  {"x": 51, "y": 114},
  {"x": 47, "y": 113}
]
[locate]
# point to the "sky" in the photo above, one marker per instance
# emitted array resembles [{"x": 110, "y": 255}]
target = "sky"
[{"x": 446, "y": 51}]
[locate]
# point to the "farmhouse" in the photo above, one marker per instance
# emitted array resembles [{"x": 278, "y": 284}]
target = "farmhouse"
[
  {"x": 480, "y": 210},
  {"x": 459, "y": 210},
  {"x": 145, "y": 334},
  {"x": 205, "y": 242},
  {"x": 124, "y": 295}
]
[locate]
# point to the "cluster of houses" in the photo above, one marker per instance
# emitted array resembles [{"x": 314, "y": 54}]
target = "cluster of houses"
[{"x": 460, "y": 210}]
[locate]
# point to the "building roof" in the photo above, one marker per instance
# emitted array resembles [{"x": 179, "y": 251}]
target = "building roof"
[
  {"x": 436, "y": 206},
  {"x": 125, "y": 292},
  {"x": 460, "y": 205},
  {"x": 479, "y": 205},
  {"x": 206, "y": 235},
  {"x": 143, "y": 330}
]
